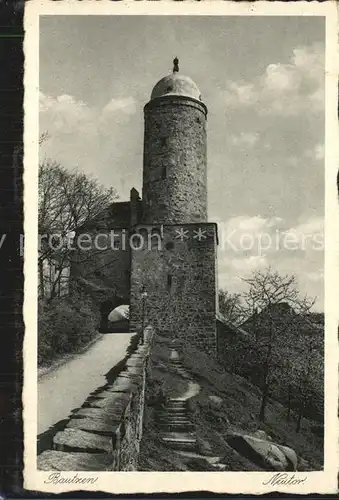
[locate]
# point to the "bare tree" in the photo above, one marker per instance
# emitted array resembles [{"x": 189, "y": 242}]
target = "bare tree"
[
  {"x": 274, "y": 307},
  {"x": 230, "y": 306},
  {"x": 67, "y": 200},
  {"x": 43, "y": 137}
]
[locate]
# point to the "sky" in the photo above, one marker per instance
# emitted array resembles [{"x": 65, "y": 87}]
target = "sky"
[{"x": 262, "y": 79}]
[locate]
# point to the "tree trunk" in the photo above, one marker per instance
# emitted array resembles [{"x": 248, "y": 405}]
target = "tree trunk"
[
  {"x": 41, "y": 279},
  {"x": 288, "y": 416},
  {"x": 266, "y": 382},
  {"x": 263, "y": 403},
  {"x": 300, "y": 415}
]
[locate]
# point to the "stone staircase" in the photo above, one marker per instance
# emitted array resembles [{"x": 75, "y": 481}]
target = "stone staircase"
[{"x": 172, "y": 418}]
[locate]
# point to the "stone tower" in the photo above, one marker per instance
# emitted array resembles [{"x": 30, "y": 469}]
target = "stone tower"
[
  {"x": 174, "y": 174},
  {"x": 175, "y": 262}
]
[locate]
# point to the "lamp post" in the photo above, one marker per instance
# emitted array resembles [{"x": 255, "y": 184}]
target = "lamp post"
[{"x": 143, "y": 298}]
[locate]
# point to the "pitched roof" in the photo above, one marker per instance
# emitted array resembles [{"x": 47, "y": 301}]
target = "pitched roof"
[
  {"x": 236, "y": 330},
  {"x": 116, "y": 215}
]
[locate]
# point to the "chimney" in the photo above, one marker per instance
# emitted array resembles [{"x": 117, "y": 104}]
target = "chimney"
[{"x": 134, "y": 200}]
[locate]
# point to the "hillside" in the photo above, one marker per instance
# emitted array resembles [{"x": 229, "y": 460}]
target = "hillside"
[
  {"x": 226, "y": 405},
  {"x": 296, "y": 361}
]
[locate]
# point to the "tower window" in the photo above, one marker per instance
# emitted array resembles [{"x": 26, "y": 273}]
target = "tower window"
[
  {"x": 169, "y": 89},
  {"x": 164, "y": 172},
  {"x": 169, "y": 245},
  {"x": 169, "y": 281}
]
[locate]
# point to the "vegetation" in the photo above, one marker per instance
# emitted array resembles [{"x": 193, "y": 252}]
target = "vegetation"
[
  {"x": 65, "y": 325},
  {"x": 283, "y": 353},
  {"x": 236, "y": 412},
  {"x": 67, "y": 200},
  {"x": 230, "y": 306}
]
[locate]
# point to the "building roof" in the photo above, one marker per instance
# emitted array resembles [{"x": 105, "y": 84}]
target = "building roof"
[
  {"x": 236, "y": 330},
  {"x": 116, "y": 215},
  {"x": 176, "y": 84}
]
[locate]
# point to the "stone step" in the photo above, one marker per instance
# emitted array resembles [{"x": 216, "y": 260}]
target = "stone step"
[
  {"x": 176, "y": 407},
  {"x": 180, "y": 444},
  {"x": 175, "y": 411},
  {"x": 187, "y": 425},
  {"x": 171, "y": 415},
  {"x": 174, "y": 422},
  {"x": 167, "y": 418},
  {"x": 179, "y": 436},
  {"x": 173, "y": 408},
  {"x": 182, "y": 405},
  {"x": 177, "y": 427}
]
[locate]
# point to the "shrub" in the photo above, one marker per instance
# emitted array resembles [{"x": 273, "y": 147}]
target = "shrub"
[{"x": 65, "y": 325}]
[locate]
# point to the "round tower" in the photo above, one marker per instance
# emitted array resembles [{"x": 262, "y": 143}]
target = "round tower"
[{"x": 174, "y": 170}]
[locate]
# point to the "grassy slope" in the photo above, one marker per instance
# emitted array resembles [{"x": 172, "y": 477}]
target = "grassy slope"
[{"x": 214, "y": 421}]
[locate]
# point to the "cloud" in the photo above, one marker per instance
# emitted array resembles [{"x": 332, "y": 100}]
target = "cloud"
[
  {"x": 126, "y": 105},
  {"x": 245, "y": 139},
  {"x": 312, "y": 226},
  {"x": 249, "y": 264},
  {"x": 316, "y": 275},
  {"x": 66, "y": 115},
  {"x": 240, "y": 93},
  {"x": 95, "y": 139},
  {"x": 244, "y": 233},
  {"x": 250, "y": 243},
  {"x": 284, "y": 88}
]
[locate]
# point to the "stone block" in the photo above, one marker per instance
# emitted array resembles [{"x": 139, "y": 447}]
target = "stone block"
[
  {"x": 133, "y": 376},
  {"x": 108, "y": 415},
  {"x": 81, "y": 441},
  {"x": 95, "y": 425},
  {"x": 114, "y": 400},
  {"x": 135, "y": 362},
  {"x": 59, "y": 460},
  {"x": 122, "y": 385}
]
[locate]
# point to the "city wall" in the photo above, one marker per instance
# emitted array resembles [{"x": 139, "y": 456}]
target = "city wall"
[{"x": 105, "y": 433}]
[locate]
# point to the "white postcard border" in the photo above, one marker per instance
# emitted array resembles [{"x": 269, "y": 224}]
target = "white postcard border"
[{"x": 171, "y": 482}]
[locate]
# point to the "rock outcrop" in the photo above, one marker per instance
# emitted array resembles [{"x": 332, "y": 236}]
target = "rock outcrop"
[{"x": 261, "y": 450}]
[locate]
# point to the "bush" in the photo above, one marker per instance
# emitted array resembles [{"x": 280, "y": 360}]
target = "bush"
[{"x": 65, "y": 325}]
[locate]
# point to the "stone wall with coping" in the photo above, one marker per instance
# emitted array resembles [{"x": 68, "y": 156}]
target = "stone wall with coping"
[{"x": 105, "y": 433}]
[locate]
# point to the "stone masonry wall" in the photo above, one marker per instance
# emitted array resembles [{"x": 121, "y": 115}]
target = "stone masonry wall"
[
  {"x": 100, "y": 263},
  {"x": 105, "y": 433},
  {"x": 174, "y": 174},
  {"x": 180, "y": 279},
  {"x": 104, "y": 263}
]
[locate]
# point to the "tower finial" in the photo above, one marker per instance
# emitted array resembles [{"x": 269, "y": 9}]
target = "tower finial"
[{"x": 175, "y": 65}]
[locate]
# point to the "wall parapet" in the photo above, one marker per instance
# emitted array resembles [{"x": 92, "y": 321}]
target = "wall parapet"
[{"x": 105, "y": 433}]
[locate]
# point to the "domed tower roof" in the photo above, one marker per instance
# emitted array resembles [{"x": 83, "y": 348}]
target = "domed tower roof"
[{"x": 176, "y": 84}]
